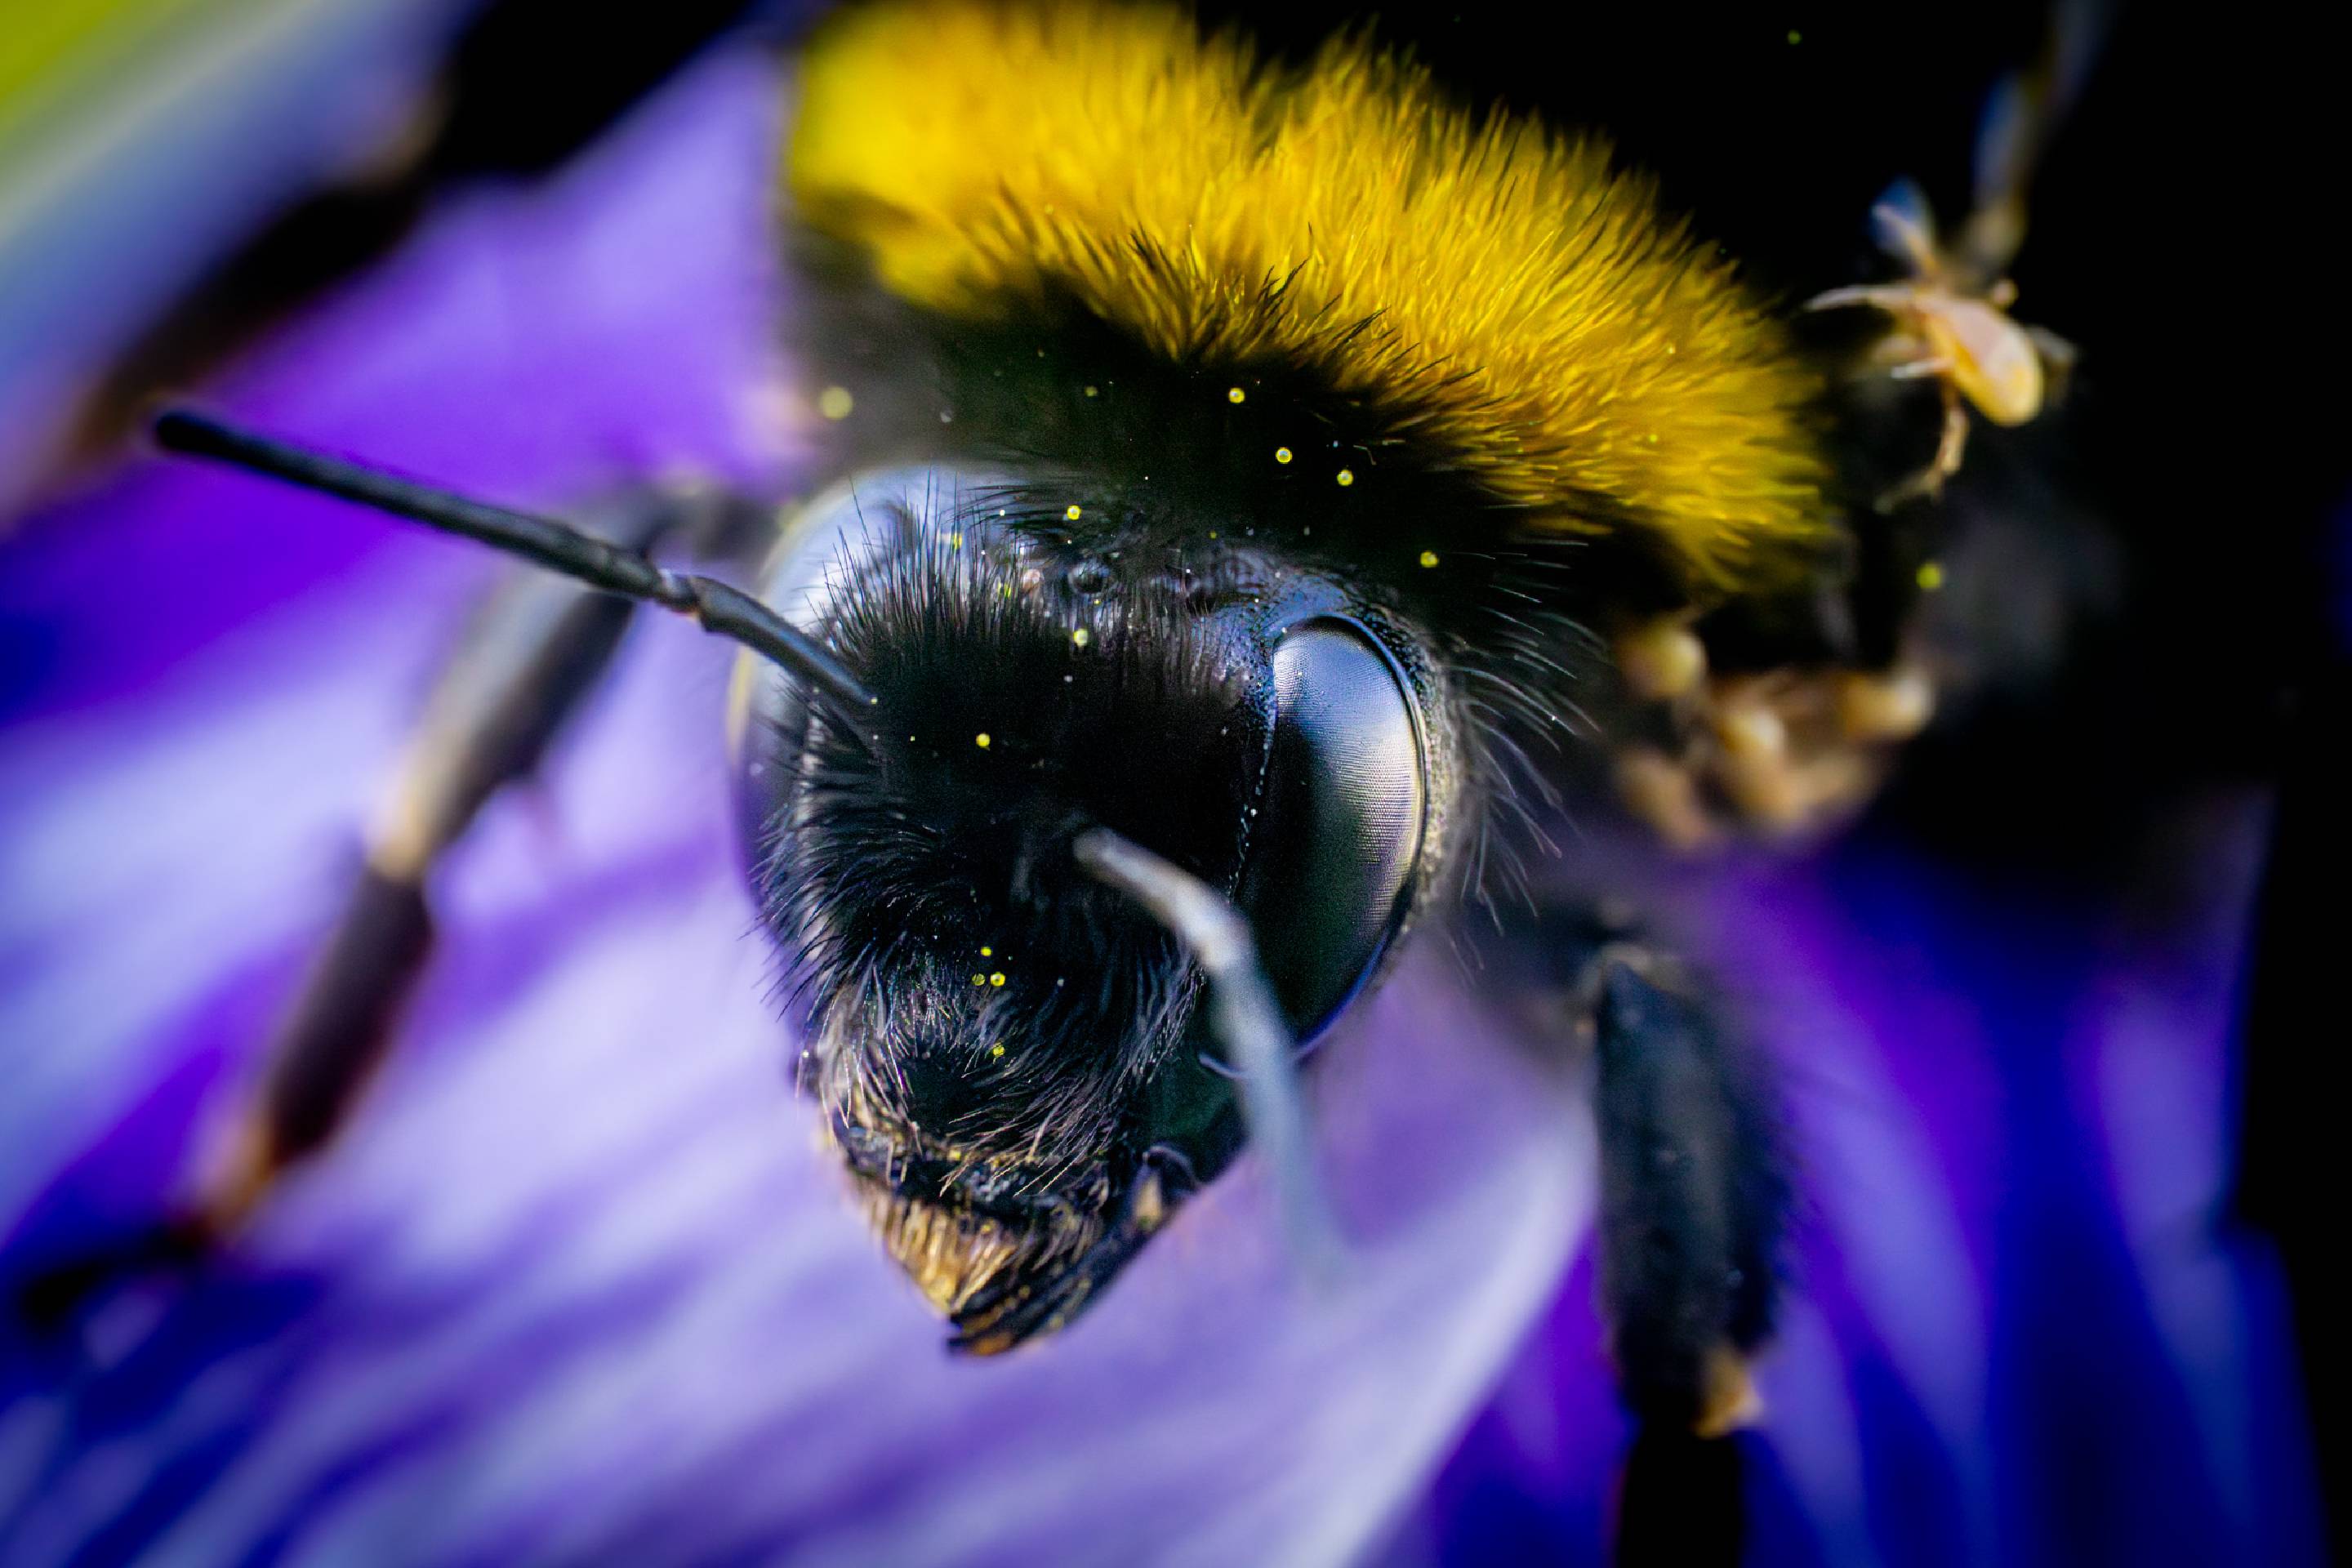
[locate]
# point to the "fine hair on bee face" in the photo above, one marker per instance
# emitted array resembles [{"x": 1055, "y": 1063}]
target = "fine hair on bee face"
[{"x": 1268, "y": 514}]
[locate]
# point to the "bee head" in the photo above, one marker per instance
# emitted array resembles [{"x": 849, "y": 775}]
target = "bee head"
[{"x": 1013, "y": 1059}]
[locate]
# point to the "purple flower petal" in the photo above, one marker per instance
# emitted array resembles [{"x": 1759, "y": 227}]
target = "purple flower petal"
[{"x": 2019, "y": 1331}]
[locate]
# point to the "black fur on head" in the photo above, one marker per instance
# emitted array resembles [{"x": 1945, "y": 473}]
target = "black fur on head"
[{"x": 990, "y": 1029}]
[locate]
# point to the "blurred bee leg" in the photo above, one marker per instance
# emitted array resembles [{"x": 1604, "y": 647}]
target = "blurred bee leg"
[
  {"x": 1695, "y": 1190},
  {"x": 1928, "y": 482},
  {"x": 1693, "y": 1198},
  {"x": 534, "y": 653},
  {"x": 536, "y": 650}
]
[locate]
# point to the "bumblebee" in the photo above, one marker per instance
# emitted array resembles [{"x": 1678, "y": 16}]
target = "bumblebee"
[{"x": 1268, "y": 514}]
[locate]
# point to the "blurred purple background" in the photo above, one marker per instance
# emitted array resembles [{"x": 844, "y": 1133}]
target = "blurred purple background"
[{"x": 578, "y": 1289}]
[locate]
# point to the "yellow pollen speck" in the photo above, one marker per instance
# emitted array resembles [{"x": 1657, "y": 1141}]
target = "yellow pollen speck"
[
  {"x": 1082, "y": 637},
  {"x": 997, "y": 978},
  {"x": 955, "y": 541},
  {"x": 834, "y": 403},
  {"x": 988, "y": 952},
  {"x": 1235, "y": 395},
  {"x": 1347, "y": 476},
  {"x": 1931, "y": 576},
  {"x": 997, "y": 1049},
  {"x": 1074, "y": 512},
  {"x": 1795, "y": 36},
  {"x": 1094, "y": 392},
  {"x": 981, "y": 740},
  {"x": 980, "y": 980},
  {"x": 1282, "y": 454},
  {"x": 1429, "y": 558}
]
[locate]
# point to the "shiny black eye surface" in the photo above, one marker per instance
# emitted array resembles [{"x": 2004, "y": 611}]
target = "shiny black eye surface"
[{"x": 1338, "y": 837}]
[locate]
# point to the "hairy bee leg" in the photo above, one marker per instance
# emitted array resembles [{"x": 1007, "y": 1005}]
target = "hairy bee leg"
[
  {"x": 535, "y": 651},
  {"x": 1694, "y": 1199}
]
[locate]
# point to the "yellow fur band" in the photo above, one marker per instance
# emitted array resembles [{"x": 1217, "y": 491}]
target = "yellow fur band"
[{"x": 1532, "y": 315}]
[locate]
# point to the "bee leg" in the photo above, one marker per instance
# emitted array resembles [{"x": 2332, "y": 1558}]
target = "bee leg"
[
  {"x": 1954, "y": 438},
  {"x": 1695, "y": 1196},
  {"x": 1895, "y": 299},
  {"x": 1929, "y": 481},
  {"x": 536, "y": 650}
]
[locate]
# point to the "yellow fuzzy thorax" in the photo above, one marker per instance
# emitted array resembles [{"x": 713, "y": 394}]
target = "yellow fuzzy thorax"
[{"x": 1532, "y": 315}]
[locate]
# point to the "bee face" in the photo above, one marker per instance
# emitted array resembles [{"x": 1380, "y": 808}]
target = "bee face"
[
  {"x": 1282, "y": 430},
  {"x": 1012, "y": 1061}
]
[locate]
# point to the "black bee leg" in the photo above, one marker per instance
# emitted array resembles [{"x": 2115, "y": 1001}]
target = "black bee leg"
[
  {"x": 1694, "y": 1195},
  {"x": 536, "y": 650},
  {"x": 1694, "y": 1198}
]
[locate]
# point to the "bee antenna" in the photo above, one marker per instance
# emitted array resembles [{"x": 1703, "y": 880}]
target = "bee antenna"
[
  {"x": 1247, "y": 1021},
  {"x": 558, "y": 546}
]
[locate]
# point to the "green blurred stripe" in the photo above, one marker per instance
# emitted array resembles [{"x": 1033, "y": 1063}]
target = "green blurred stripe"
[{"x": 48, "y": 49}]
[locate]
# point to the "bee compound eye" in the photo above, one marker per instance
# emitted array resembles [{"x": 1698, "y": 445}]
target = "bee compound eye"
[{"x": 1345, "y": 810}]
